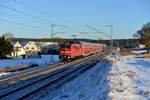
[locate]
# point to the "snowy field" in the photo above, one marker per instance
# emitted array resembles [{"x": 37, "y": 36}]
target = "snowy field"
[
  {"x": 141, "y": 68},
  {"x": 129, "y": 79},
  {"x": 44, "y": 60}
]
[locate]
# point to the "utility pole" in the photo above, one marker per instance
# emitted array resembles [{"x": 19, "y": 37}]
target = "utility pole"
[
  {"x": 52, "y": 29},
  {"x": 52, "y": 34},
  {"x": 111, "y": 34}
]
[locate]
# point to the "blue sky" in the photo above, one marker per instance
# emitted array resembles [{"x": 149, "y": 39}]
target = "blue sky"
[{"x": 127, "y": 16}]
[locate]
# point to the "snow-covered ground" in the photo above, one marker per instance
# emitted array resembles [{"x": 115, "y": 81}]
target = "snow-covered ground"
[
  {"x": 129, "y": 79},
  {"x": 44, "y": 60},
  {"x": 18, "y": 62},
  {"x": 139, "y": 51},
  {"x": 124, "y": 79},
  {"x": 91, "y": 85},
  {"x": 141, "y": 68}
]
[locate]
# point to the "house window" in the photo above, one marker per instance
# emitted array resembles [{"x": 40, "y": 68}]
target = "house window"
[
  {"x": 27, "y": 48},
  {"x": 32, "y": 47}
]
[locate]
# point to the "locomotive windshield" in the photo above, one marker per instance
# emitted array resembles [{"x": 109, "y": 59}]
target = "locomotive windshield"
[
  {"x": 68, "y": 44},
  {"x": 65, "y": 45}
]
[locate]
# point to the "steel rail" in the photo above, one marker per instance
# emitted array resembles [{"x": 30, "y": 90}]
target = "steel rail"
[
  {"x": 24, "y": 75},
  {"x": 75, "y": 66},
  {"x": 61, "y": 80}
]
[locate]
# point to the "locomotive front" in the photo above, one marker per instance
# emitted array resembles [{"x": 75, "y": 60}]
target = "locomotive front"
[
  {"x": 70, "y": 50},
  {"x": 65, "y": 52}
]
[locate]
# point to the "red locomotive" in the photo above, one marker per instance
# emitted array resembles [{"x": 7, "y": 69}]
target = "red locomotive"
[{"x": 76, "y": 49}]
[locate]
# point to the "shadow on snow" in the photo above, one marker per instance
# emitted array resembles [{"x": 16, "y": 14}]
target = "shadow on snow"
[{"x": 141, "y": 62}]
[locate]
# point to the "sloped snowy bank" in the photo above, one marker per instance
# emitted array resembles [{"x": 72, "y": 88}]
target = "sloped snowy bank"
[
  {"x": 40, "y": 62},
  {"x": 44, "y": 60},
  {"x": 91, "y": 85},
  {"x": 129, "y": 79},
  {"x": 124, "y": 79}
]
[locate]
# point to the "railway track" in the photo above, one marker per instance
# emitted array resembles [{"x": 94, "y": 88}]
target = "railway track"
[
  {"x": 49, "y": 75},
  {"x": 25, "y": 71},
  {"x": 26, "y": 74}
]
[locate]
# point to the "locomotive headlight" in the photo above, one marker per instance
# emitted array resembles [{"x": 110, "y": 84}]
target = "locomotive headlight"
[{"x": 68, "y": 56}]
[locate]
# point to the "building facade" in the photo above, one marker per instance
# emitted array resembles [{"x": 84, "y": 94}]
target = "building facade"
[{"x": 18, "y": 50}]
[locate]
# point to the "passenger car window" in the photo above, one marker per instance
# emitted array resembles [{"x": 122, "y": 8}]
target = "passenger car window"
[{"x": 77, "y": 46}]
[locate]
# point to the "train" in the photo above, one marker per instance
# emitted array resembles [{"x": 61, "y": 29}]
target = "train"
[{"x": 72, "y": 50}]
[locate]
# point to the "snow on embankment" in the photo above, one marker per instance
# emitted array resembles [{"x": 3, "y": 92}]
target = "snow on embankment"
[
  {"x": 91, "y": 85},
  {"x": 124, "y": 80},
  {"x": 139, "y": 51},
  {"x": 44, "y": 60}
]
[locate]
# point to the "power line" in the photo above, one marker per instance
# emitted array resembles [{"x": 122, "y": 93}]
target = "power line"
[
  {"x": 30, "y": 15},
  {"x": 20, "y": 17},
  {"x": 52, "y": 29},
  {"x": 12, "y": 22},
  {"x": 26, "y": 14},
  {"x": 71, "y": 29},
  {"x": 110, "y": 36},
  {"x": 98, "y": 30},
  {"x": 35, "y": 9}
]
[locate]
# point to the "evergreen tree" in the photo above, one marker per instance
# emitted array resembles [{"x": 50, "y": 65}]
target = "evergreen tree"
[{"x": 5, "y": 47}]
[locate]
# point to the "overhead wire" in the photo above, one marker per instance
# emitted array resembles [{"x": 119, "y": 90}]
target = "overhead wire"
[
  {"x": 40, "y": 11},
  {"x": 30, "y": 15},
  {"x": 26, "y": 14},
  {"x": 20, "y": 17},
  {"x": 12, "y": 22},
  {"x": 31, "y": 7}
]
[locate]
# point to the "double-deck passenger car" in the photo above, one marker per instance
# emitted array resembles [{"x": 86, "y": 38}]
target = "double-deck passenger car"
[{"x": 75, "y": 49}]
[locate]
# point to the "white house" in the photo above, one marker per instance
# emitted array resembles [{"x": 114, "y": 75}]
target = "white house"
[
  {"x": 32, "y": 47},
  {"x": 25, "y": 48},
  {"x": 18, "y": 50},
  {"x": 141, "y": 46}
]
